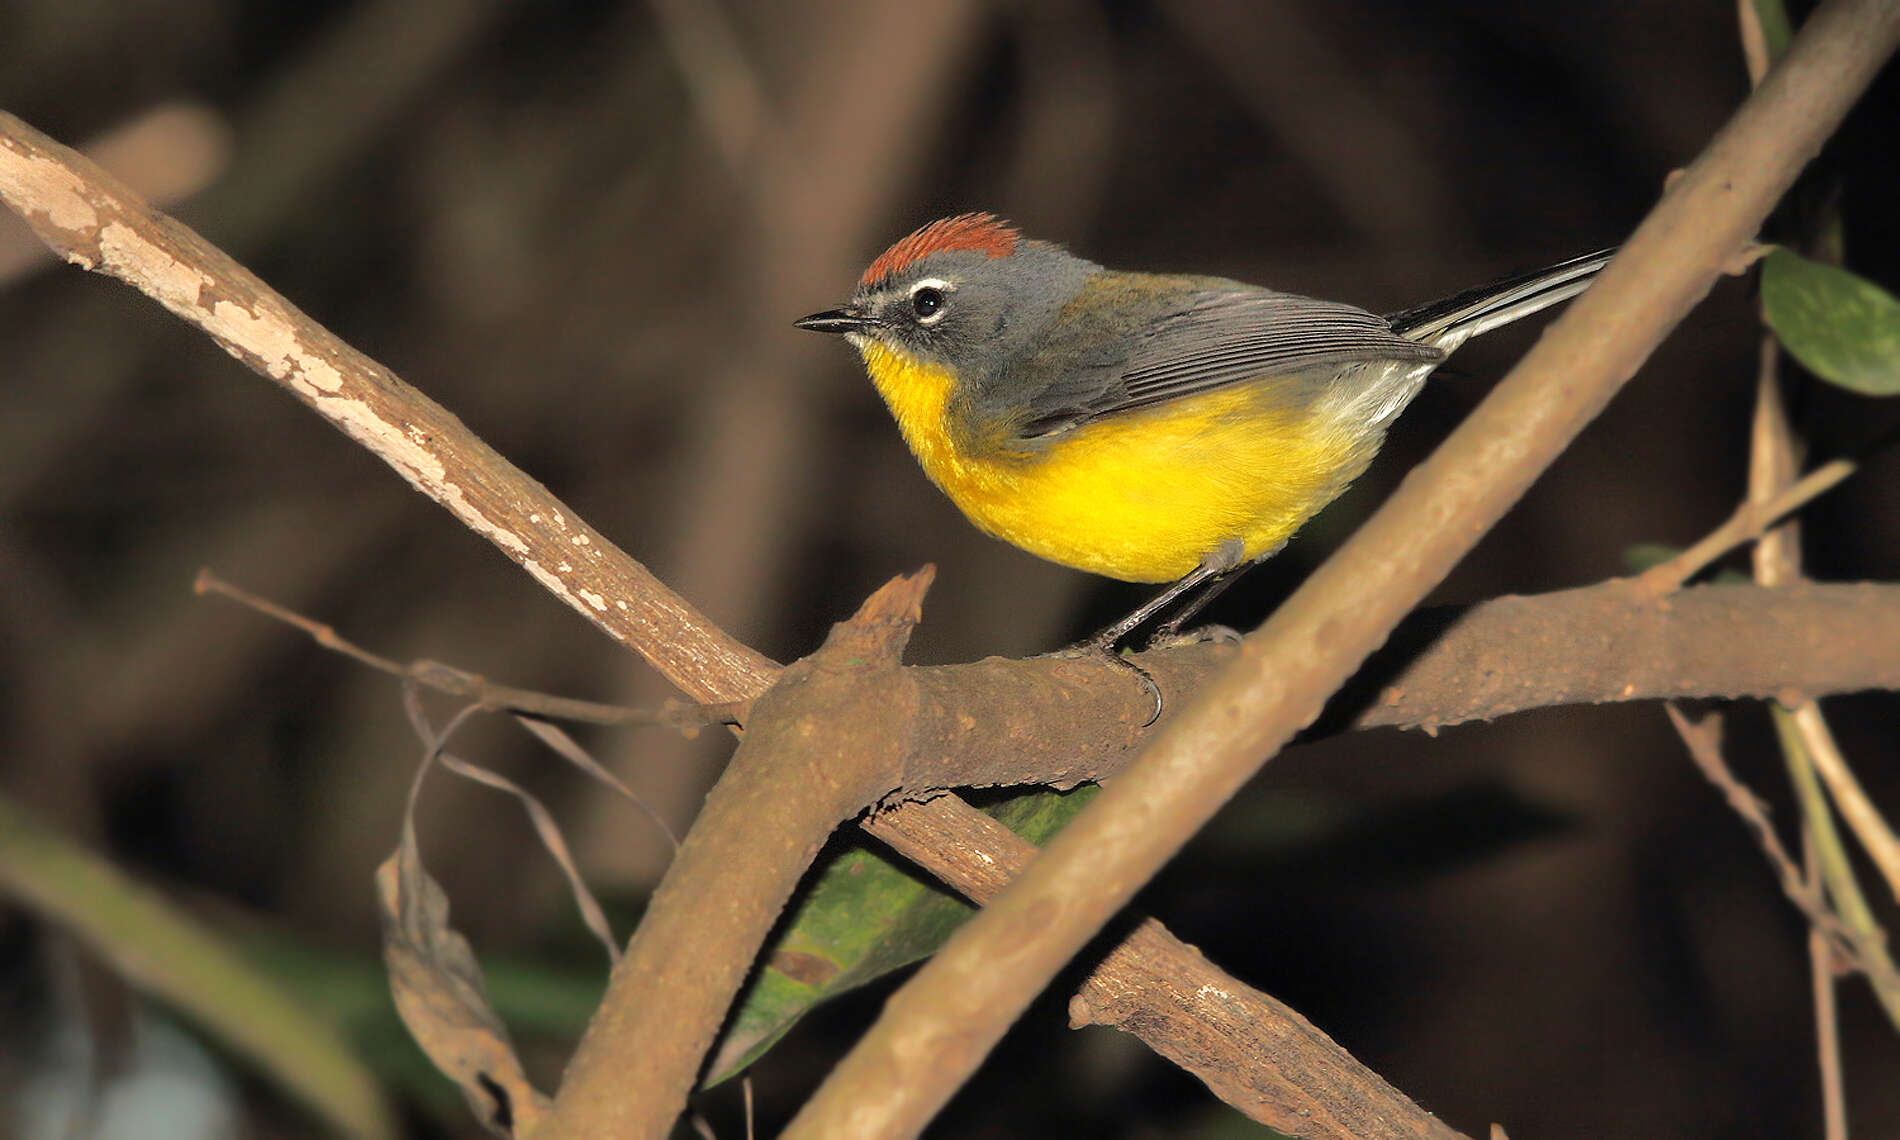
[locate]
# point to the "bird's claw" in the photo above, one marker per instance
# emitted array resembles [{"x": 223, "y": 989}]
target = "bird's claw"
[{"x": 1106, "y": 651}]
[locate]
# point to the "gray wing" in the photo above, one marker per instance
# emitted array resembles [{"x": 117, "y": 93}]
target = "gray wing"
[
  {"x": 1210, "y": 338},
  {"x": 1228, "y": 337}
]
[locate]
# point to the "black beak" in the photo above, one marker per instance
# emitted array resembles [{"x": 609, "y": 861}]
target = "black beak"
[{"x": 835, "y": 321}]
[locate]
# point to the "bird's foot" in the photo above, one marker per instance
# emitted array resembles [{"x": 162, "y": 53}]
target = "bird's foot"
[{"x": 1103, "y": 648}]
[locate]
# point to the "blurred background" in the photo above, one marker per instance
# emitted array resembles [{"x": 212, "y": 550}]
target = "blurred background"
[{"x": 585, "y": 228}]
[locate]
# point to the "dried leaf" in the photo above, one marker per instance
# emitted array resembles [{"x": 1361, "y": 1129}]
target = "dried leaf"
[
  {"x": 433, "y": 975},
  {"x": 437, "y": 985},
  {"x": 571, "y": 751},
  {"x": 551, "y": 838}
]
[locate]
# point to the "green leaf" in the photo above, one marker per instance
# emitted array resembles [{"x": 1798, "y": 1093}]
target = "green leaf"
[
  {"x": 863, "y": 917},
  {"x": 1776, "y": 29},
  {"x": 1641, "y": 556},
  {"x": 1841, "y": 327}
]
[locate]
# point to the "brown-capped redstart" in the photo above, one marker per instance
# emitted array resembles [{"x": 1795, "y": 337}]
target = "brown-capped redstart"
[{"x": 1148, "y": 427}]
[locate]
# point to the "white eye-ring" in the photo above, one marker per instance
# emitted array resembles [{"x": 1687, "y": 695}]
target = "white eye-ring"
[{"x": 929, "y": 299}]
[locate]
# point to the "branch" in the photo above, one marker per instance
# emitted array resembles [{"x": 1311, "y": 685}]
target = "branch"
[
  {"x": 940, "y": 1025},
  {"x": 1060, "y": 722},
  {"x": 1754, "y": 518},
  {"x": 799, "y": 773}
]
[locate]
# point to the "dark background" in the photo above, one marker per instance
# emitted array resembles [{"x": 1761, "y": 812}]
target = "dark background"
[{"x": 586, "y": 230}]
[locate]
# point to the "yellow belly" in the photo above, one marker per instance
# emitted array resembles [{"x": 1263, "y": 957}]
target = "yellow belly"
[{"x": 1140, "y": 495}]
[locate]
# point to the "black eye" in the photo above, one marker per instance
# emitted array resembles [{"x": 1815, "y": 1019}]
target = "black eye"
[{"x": 927, "y": 302}]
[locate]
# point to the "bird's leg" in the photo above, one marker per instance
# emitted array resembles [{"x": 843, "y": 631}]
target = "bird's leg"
[
  {"x": 1211, "y": 574},
  {"x": 1169, "y": 632}
]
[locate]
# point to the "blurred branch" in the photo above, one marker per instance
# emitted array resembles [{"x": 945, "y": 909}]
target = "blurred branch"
[
  {"x": 936, "y": 1029},
  {"x": 819, "y": 180},
  {"x": 1380, "y": 174},
  {"x": 723, "y": 83},
  {"x": 193, "y": 970},
  {"x": 326, "y": 107},
  {"x": 819, "y": 183}
]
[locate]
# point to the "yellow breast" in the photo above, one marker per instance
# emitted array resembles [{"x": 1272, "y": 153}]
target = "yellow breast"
[{"x": 1140, "y": 495}]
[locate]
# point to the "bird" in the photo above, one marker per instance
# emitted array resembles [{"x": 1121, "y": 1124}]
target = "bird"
[{"x": 1147, "y": 427}]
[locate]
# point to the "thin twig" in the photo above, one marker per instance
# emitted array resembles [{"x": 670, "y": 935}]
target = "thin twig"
[
  {"x": 1850, "y": 799},
  {"x": 1750, "y": 521},
  {"x": 488, "y": 695},
  {"x": 1822, "y": 974},
  {"x": 1775, "y": 453},
  {"x": 1703, "y": 739},
  {"x": 1827, "y": 1032},
  {"x": 1864, "y": 934},
  {"x": 542, "y": 820},
  {"x": 532, "y": 711},
  {"x": 1806, "y": 741},
  {"x": 1856, "y": 944}
]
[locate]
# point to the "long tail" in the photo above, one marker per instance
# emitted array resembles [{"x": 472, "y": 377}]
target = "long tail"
[{"x": 1456, "y": 319}]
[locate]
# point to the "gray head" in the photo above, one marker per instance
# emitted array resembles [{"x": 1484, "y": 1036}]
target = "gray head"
[{"x": 967, "y": 292}]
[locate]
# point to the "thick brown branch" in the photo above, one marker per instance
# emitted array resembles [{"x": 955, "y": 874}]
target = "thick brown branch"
[
  {"x": 800, "y": 772},
  {"x": 1057, "y": 721}
]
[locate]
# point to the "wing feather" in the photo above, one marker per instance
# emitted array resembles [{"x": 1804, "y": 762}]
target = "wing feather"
[
  {"x": 1209, "y": 338},
  {"x": 1226, "y": 338}
]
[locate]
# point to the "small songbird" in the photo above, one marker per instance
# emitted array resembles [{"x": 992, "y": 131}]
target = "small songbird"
[{"x": 1147, "y": 427}]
